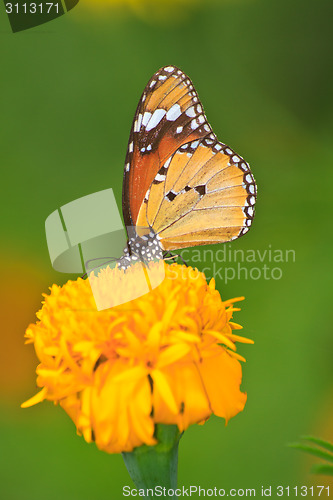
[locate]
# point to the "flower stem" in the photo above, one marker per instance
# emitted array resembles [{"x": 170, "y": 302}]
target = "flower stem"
[{"x": 151, "y": 466}]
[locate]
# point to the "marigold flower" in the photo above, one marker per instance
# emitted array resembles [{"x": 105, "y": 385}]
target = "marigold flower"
[{"x": 167, "y": 357}]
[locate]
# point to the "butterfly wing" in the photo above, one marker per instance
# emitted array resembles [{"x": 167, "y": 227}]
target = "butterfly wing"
[
  {"x": 204, "y": 193},
  {"x": 168, "y": 115}
]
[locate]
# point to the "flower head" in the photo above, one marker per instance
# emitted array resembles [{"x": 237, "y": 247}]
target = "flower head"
[{"x": 166, "y": 357}]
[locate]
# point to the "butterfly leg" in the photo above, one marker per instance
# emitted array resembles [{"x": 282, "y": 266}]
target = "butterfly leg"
[{"x": 169, "y": 256}]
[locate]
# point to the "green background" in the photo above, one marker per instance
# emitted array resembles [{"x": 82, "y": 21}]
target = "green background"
[{"x": 69, "y": 90}]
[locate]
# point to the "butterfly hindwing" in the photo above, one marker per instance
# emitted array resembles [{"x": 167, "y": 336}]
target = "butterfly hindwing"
[
  {"x": 169, "y": 114},
  {"x": 205, "y": 193}
]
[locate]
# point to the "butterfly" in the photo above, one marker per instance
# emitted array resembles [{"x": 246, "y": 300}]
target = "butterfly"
[{"x": 182, "y": 187}]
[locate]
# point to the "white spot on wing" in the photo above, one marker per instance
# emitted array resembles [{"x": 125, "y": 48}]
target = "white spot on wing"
[
  {"x": 139, "y": 121},
  {"x": 179, "y": 130},
  {"x": 146, "y": 117},
  {"x": 155, "y": 119},
  {"x": 174, "y": 113},
  {"x": 190, "y": 112},
  {"x": 169, "y": 69},
  {"x": 167, "y": 163},
  {"x": 160, "y": 177}
]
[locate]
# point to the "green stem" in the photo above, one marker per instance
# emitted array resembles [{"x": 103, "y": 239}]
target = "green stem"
[{"x": 151, "y": 466}]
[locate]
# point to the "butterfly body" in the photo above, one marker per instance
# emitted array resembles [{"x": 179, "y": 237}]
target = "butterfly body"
[
  {"x": 181, "y": 184},
  {"x": 141, "y": 248}
]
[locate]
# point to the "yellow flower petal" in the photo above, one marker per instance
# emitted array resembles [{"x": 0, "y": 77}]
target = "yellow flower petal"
[
  {"x": 225, "y": 398},
  {"x": 243, "y": 340},
  {"x": 189, "y": 394},
  {"x": 37, "y": 398},
  {"x": 222, "y": 338},
  {"x": 162, "y": 386},
  {"x": 235, "y": 326},
  {"x": 236, "y": 356},
  {"x": 172, "y": 354}
]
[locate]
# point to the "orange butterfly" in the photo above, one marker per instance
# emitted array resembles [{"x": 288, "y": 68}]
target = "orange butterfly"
[{"x": 182, "y": 187}]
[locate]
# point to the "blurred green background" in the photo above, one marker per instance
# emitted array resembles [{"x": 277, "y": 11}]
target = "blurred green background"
[{"x": 69, "y": 90}]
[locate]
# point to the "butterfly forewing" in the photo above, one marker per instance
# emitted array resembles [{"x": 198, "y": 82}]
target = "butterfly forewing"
[{"x": 169, "y": 114}]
